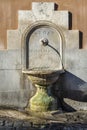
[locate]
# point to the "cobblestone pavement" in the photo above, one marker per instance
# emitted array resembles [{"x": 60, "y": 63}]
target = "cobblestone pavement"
[
  {"x": 21, "y": 125},
  {"x": 15, "y": 120}
]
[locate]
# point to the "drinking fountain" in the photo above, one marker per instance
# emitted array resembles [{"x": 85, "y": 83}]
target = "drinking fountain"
[
  {"x": 44, "y": 47},
  {"x": 44, "y": 62}
]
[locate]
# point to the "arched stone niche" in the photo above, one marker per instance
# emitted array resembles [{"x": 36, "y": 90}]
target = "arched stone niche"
[{"x": 40, "y": 56}]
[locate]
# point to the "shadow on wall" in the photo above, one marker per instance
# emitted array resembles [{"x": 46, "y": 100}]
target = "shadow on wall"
[
  {"x": 73, "y": 87},
  {"x": 70, "y": 21},
  {"x": 80, "y": 40},
  {"x": 56, "y": 6},
  {"x": 80, "y": 33}
]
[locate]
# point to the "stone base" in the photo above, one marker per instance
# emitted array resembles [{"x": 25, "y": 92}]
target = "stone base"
[{"x": 42, "y": 100}]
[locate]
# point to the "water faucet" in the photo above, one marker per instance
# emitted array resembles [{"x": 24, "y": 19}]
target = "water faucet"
[{"x": 45, "y": 42}]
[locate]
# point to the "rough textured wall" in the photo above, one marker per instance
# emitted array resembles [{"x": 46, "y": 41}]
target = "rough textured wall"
[{"x": 9, "y": 19}]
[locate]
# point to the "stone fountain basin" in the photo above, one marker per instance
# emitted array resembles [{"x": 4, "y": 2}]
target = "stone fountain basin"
[{"x": 43, "y": 77}]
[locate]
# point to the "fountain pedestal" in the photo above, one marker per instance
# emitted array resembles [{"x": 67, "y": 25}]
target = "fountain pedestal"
[{"x": 42, "y": 100}]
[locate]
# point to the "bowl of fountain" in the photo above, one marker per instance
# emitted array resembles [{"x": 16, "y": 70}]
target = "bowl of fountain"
[
  {"x": 43, "y": 100},
  {"x": 43, "y": 77}
]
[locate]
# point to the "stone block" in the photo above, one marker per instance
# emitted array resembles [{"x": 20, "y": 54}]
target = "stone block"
[
  {"x": 25, "y": 16},
  {"x": 13, "y": 39},
  {"x": 25, "y": 19},
  {"x": 10, "y": 80},
  {"x": 71, "y": 39},
  {"x": 61, "y": 18},
  {"x": 46, "y": 6},
  {"x": 10, "y": 59},
  {"x": 42, "y": 10},
  {"x": 14, "y": 99}
]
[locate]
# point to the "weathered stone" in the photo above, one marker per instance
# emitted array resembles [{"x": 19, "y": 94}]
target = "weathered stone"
[
  {"x": 25, "y": 19},
  {"x": 48, "y": 58},
  {"x": 10, "y": 80},
  {"x": 27, "y": 124},
  {"x": 10, "y": 59},
  {"x": 14, "y": 99},
  {"x": 60, "y": 18},
  {"x": 25, "y": 16},
  {"x": 18, "y": 123},
  {"x": 71, "y": 40},
  {"x": 1, "y": 122},
  {"x": 41, "y": 10},
  {"x": 13, "y": 39},
  {"x": 8, "y": 123}
]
